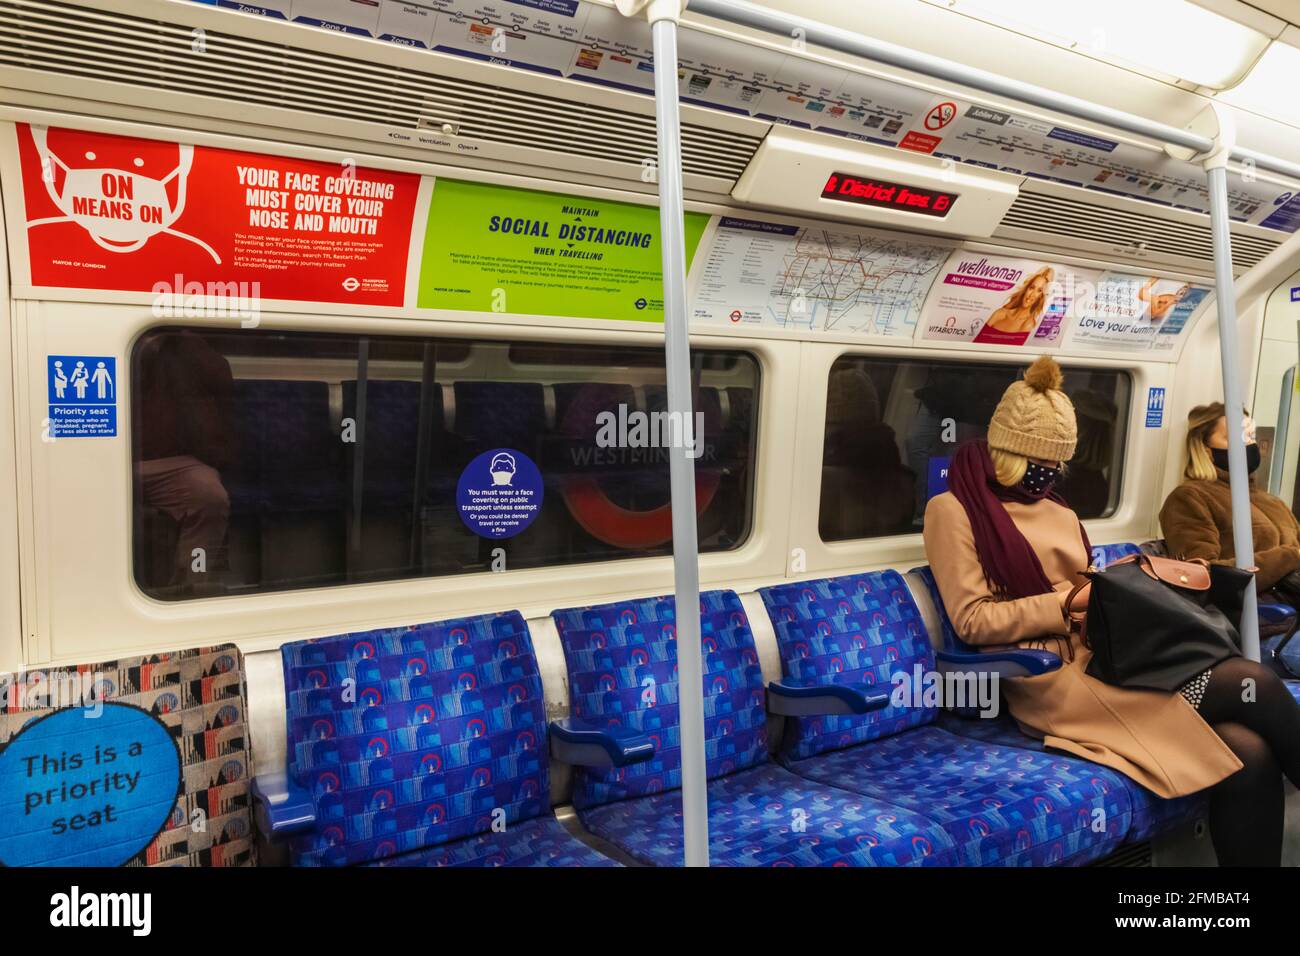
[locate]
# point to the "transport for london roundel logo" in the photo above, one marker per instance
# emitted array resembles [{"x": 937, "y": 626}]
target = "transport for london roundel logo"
[
  {"x": 499, "y": 493},
  {"x": 86, "y": 786}
]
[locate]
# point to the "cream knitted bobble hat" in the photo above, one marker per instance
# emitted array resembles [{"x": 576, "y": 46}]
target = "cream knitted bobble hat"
[{"x": 1035, "y": 418}]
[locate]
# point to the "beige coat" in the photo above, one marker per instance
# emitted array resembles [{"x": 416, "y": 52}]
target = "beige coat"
[{"x": 1156, "y": 738}]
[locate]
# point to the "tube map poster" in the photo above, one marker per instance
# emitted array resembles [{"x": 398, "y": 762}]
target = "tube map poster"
[{"x": 521, "y": 251}]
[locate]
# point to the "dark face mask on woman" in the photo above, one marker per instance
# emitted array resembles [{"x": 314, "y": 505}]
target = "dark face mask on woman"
[
  {"x": 1220, "y": 458},
  {"x": 1039, "y": 479}
]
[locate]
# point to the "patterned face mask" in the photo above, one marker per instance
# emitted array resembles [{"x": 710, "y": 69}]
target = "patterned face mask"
[{"x": 1039, "y": 479}]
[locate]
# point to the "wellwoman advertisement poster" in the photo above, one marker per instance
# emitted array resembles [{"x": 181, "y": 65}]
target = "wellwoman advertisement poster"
[{"x": 997, "y": 300}]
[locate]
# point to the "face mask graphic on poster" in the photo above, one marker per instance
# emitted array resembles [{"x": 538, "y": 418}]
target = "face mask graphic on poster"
[
  {"x": 120, "y": 209},
  {"x": 502, "y": 468}
]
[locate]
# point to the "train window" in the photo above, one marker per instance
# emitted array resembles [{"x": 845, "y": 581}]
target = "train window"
[
  {"x": 885, "y": 443},
  {"x": 267, "y": 460}
]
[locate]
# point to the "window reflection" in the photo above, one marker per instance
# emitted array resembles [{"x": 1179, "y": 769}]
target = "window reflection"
[
  {"x": 892, "y": 424},
  {"x": 185, "y": 391},
  {"x": 309, "y": 459}
]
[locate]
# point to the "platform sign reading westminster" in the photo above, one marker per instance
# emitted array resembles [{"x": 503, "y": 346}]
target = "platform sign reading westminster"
[{"x": 522, "y": 251}]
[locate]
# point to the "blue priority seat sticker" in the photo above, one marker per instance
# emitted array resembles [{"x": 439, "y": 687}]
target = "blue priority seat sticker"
[
  {"x": 1155, "y": 407},
  {"x": 82, "y": 396},
  {"x": 86, "y": 786}
]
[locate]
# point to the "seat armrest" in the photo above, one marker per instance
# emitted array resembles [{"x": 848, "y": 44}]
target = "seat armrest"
[
  {"x": 1020, "y": 662},
  {"x": 280, "y": 806},
  {"x": 791, "y": 699},
  {"x": 587, "y": 745},
  {"x": 1273, "y": 612}
]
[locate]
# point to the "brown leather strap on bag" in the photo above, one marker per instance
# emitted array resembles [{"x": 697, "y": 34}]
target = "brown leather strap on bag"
[
  {"x": 1193, "y": 575},
  {"x": 1076, "y": 619}
]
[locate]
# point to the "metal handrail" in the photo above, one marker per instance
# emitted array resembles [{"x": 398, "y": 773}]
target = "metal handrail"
[{"x": 747, "y": 14}]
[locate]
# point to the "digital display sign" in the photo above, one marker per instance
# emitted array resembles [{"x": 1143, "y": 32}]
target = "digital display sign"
[{"x": 865, "y": 191}]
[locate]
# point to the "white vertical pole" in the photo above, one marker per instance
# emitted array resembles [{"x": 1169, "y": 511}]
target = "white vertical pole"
[
  {"x": 1243, "y": 539},
  {"x": 663, "y": 16}
]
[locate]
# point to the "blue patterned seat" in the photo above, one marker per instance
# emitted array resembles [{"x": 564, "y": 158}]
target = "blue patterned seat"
[
  {"x": 1151, "y": 815},
  {"x": 541, "y": 841},
  {"x": 425, "y": 746},
  {"x": 767, "y": 816},
  {"x": 999, "y": 806},
  {"x": 622, "y": 664}
]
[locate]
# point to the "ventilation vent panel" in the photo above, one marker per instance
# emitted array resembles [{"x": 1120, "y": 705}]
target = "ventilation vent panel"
[
  {"x": 72, "y": 41},
  {"x": 1076, "y": 219}
]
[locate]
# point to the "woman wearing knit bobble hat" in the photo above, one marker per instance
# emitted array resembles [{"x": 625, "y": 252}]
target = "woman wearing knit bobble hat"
[{"x": 1006, "y": 550}]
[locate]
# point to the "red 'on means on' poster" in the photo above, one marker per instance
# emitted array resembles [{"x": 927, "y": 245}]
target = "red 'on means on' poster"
[{"x": 123, "y": 213}]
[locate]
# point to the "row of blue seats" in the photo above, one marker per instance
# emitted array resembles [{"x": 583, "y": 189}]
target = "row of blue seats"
[
  {"x": 290, "y": 455},
  {"x": 440, "y": 755}
]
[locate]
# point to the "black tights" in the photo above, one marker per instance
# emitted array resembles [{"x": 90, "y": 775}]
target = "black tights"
[{"x": 1255, "y": 715}]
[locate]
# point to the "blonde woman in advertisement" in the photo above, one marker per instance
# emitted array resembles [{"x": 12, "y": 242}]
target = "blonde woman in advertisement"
[{"x": 1023, "y": 309}]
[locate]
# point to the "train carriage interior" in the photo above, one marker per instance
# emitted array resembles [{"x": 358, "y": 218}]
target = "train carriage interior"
[{"x": 382, "y": 379}]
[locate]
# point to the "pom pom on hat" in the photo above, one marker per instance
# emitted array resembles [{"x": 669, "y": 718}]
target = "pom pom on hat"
[
  {"x": 1035, "y": 418},
  {"x": 1044, "y": 374}
]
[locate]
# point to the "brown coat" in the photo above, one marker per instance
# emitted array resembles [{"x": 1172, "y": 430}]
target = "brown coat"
[
  {"x": 1155, "y": 738},
  {"x": 1197, "y": 523}
]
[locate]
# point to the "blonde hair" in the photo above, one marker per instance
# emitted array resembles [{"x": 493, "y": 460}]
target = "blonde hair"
[
  {"x": 1017, "y": 298},
  {"x": 1201, "y": 421},
  {"x": 1008, "y": 467}
]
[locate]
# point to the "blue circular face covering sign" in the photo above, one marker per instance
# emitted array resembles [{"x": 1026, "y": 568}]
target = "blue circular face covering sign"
[
  {"x": 499, "y": 493},
  {"x": 86, "y": 786}
]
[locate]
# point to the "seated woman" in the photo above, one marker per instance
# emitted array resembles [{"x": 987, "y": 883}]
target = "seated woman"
[
  {"x": 1005, "y": 552},
  {"x": 1197, "y": 516}
]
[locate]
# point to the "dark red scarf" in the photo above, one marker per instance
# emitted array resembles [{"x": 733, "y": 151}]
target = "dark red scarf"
[{"x": 1009, "y": 562}]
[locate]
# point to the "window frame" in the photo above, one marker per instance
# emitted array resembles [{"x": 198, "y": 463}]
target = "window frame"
[
  {"x": 1017, "y": 364},
  {"x": 506, "y": 338}
]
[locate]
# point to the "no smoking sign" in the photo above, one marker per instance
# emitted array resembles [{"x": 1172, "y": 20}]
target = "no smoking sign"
[{"x": 940, "y": 116}]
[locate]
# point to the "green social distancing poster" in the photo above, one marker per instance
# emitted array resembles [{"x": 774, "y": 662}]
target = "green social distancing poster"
[{"x": 521, "y": 251}]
